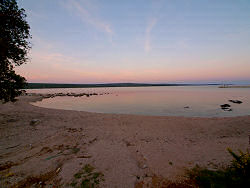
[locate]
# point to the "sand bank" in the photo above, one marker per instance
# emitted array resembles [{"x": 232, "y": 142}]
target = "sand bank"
[{"x": 48, "y": 146}]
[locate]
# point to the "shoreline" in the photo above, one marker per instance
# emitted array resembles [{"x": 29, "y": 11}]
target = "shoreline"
[
  {"x": 42, "y": 96},
  {"x": 122, "y": 147},
  {"x": 234, "y": 86}
]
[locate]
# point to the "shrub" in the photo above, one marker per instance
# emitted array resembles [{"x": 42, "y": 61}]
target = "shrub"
[{"x": 237, "y": 174}]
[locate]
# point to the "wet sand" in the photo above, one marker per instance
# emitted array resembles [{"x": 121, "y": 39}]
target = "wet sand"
[{"x": 48, "y": 146}]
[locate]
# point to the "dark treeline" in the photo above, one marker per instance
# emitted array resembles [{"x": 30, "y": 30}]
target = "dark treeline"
[{"x": 53, "y": 85}]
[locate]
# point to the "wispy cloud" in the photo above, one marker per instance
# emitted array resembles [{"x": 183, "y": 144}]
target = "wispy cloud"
[
  {"x": 147, "y": 45},
  {"x": 87, "y": 17}
]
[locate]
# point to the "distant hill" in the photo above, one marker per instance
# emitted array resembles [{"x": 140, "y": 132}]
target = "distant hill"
[{"x": 53, "y": 85}]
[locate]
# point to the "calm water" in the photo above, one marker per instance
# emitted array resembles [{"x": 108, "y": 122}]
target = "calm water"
[{"x": 203, "y": 101}]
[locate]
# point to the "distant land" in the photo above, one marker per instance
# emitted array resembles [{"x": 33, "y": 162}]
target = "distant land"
[
  {"x": 234, "y": 86},
  {"x": 53, "y": 85}
]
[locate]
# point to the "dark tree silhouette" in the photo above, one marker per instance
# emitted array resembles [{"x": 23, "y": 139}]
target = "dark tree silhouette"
[{"x": 14, "y": 46}]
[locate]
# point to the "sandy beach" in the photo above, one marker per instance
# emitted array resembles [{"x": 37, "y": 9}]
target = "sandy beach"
[{"x": 47, "y": 147}]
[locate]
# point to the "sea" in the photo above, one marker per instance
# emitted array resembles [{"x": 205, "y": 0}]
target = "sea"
[{"x": 188, "y": 101}]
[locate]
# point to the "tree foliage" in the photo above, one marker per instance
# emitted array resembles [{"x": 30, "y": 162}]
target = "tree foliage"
[{"x": 14, "y": 46}]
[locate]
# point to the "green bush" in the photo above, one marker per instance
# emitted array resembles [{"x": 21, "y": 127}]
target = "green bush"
[
  {"x": 87, "y": 177},
  {"x": 237, "y": 174}
]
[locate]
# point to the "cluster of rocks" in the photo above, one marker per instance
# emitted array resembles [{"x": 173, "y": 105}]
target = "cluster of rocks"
[
  {"x": 227, "y": 107},
  {"x": 65, "y": 94}
]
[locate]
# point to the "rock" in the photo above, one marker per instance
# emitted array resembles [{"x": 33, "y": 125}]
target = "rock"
[
  {"x": 227, "y": 109},
  {"x": 235, "y": 101},
  {"x": 225, "y": 105},
  {"x": 186, "y": 107},
  {"x": 144, "y": 166},
  {"x": 35, "y": 122}
]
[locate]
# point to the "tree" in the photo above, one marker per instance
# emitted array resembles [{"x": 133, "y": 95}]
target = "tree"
[{"x": 14, "y": 46}]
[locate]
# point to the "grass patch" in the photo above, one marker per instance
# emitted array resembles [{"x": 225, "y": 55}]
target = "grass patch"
[
  {"x": 237, "y": 174},
  {"x": 87, "y": 177},
  {"x": 75, "y": 150}
]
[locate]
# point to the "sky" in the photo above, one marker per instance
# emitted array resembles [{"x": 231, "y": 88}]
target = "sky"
[{"x": 153, "y": 41}]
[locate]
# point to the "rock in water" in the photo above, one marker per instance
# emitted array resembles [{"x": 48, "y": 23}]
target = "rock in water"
[
  {"x": 225, "y": 105},
  {"x": 235, "y": 101},
  {"x": 227, "y": 109}
]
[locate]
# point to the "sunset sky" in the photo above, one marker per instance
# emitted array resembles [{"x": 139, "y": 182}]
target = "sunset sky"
[{"x": 156, "y": 41}]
